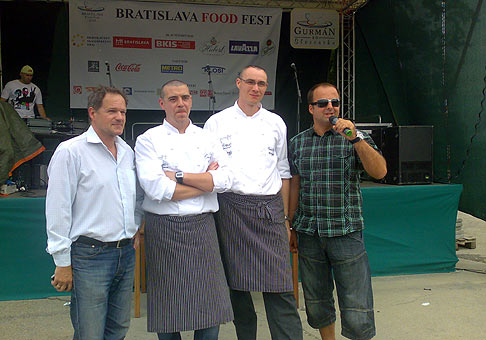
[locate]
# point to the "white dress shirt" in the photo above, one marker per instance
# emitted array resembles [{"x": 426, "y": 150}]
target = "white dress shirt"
[
  {"x": 90, "y": 193},
  {"x": 257, "y": 146},
  {"x": 163, "y": 148}
]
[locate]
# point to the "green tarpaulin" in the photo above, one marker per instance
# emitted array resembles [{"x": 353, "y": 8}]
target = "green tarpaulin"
[{"x": 409, "y": 230}]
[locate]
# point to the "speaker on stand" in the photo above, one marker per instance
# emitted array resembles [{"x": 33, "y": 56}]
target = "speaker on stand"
[{"x": 408, "y": 151}]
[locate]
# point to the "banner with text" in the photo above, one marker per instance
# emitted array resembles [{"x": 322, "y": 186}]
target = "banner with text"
[
  {"x": 314, "y": 28},
  {"x": 138, "y": 46}
]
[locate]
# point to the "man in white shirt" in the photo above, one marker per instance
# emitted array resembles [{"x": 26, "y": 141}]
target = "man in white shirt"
[
  {"x": 252, "y": 222},
  {"x": 22, "y": 94},
  {"x": 92, "y": 220},
  {"x": 181, "y": 168}
]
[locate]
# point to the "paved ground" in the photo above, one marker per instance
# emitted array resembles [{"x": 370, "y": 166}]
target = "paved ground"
[{"x": 414, "y": 307}]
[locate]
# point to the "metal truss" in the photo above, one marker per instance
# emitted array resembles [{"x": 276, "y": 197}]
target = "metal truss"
[
  {"x": 339, "y": 5},
  {"x": 346, "y": 57},
  {"x": 346, "y": 65}
]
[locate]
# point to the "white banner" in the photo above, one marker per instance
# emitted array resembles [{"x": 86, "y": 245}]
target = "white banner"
[
  {"x": 145, "y": 44},
  {"x": 314, "y": 28}
]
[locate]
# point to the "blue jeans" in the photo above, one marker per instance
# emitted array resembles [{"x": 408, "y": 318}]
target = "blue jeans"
[
  {"x": 102, "y": 291},
  {"x": 281, "y": 310},
  {"x": 343, "y": 259},
  {"x": 210, "y": 333}
]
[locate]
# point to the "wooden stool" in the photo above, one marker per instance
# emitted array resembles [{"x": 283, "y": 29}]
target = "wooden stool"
[
  {"x": 295, "y": 277},
  {"x": 140, "y": 284}
]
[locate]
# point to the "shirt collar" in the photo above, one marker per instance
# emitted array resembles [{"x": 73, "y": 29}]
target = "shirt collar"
[
  {"x": 172, "y": 130},
  {"x": 240, "y": 111},
  {"x": 329, "y": 132},
  {"x": 92, "y": 137}
]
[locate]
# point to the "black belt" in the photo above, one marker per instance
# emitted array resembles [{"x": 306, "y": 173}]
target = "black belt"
[{"x": 95, "y": 243}]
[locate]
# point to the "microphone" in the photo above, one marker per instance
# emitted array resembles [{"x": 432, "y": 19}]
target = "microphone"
[
  {"x": 299, "y": 95},
  {"x": 333, "y": 120},
  {"x": 108, "y": 73}
]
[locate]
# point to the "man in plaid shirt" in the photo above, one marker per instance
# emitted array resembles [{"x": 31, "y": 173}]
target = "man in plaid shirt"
[{"x": 326, "y": 214}]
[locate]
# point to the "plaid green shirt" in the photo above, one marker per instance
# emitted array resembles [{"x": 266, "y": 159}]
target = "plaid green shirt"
[{"x": 329, "y": 196}]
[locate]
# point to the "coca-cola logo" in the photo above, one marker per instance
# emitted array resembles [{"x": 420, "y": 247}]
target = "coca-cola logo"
[{"x": 127, "y": 68}]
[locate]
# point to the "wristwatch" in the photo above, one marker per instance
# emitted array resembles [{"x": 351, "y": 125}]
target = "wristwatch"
[
  {"x": 356, "y": 140},
  {"x": 179, "y": 175}
]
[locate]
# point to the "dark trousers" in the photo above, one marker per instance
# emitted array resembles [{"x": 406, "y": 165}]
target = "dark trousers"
[{"x": 282, "y": 316}]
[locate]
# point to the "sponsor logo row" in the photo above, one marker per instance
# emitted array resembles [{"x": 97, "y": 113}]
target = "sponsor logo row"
[
  {"x": 210, "y": 47},
  {"x": 94, "y": 66},
  {"x": 129, "y": 91}
]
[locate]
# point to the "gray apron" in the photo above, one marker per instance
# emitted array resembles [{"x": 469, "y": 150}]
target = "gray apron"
[
  {"x": 186, "y": 286},
  {"x": 254, "y": 242}
]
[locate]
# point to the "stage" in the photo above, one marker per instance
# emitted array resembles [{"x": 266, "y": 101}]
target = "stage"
[{"x": 409, "y": 230}]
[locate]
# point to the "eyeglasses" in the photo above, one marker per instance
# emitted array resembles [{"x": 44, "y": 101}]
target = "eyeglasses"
[
  {"x": 253, "y": 82},
  {"x": 325, "y": 102}
]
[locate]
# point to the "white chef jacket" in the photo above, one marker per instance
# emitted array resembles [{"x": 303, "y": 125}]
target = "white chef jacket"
[
  {"x": 257, "y": 146},
  {"x": 163, "y": 148}
]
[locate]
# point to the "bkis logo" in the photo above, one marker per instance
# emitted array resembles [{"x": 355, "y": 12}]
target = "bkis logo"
[{"x": 177, "y": 44}]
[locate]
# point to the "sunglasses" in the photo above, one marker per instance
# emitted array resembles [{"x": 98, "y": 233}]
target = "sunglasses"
[{"x": 325, "y": 102}]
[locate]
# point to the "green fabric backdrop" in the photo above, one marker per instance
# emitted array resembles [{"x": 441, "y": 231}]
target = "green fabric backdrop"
[
  {"x": 424, "y": 63},
  {"x": 26, "y": 266},
  {"x": 409, "y": 230}
]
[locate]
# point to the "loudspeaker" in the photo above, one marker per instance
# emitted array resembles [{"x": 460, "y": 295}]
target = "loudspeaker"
[
  {"x": 39, "y": 176},
  {"x": 408, "y": 151},
  {"x": 50, "y": 142}
]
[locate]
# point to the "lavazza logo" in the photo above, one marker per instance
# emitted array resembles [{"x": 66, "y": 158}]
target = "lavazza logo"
[
  {"x": 127, "y": 67},
  {"x": 244, "y": 47}
]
